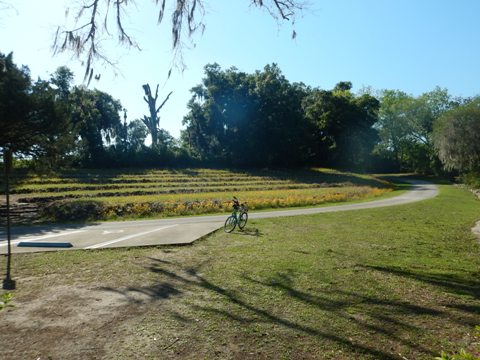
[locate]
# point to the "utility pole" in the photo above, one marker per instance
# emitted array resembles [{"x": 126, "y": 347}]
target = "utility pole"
[{"x": 8, "y": 283}]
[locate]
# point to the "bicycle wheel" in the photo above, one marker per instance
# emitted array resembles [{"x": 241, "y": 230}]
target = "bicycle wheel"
[
  {"x": 230, "y": 224},
  {"x": 243, "y": 220}
]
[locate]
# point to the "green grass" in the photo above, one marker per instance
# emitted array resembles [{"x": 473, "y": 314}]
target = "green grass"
[{"x": 392, "y": 283}]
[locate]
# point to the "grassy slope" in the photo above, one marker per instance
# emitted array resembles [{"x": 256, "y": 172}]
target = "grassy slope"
[
  {"x": 125, "y": 194},
  {"x": 391, "y": 283}
]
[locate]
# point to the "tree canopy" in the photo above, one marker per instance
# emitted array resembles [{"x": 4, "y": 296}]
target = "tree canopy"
[
  {"x": 405, "y": 127},
  {"x": 262, "y": 119},
  {"x": 456, "y": 137},
  {"x": 239, "y": 119},
  {"x": 18, "y": 129}
]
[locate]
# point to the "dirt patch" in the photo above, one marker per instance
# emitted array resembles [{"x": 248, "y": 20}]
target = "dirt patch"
[{"x": 66, "y": 323}]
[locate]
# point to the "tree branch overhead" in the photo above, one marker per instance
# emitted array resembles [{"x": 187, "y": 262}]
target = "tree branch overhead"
[{"x": 83, "y": 40}]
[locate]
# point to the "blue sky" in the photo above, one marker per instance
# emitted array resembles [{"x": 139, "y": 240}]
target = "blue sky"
[{"x": 411, "y": 45}]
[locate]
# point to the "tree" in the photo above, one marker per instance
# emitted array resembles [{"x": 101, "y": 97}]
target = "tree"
[
  {"x": 342, "y": 125},
  {"x": 136, "y": 135},
  {"x": 152, "y": 122},
  {"x": 96, "y": 114},
  {"x": 55, "y": 147},
  {"x": 94, "y": 17},
  {"x": 35, "y": 119},
  {"x": 17, "y": 128},
  {"x": 456, "y": 140},
  {"x": 247, "y": 119},
  {"x": 406, "y": 124},
  {"x": 218, "y": 114},
  {"x": 280, "y": 130}
]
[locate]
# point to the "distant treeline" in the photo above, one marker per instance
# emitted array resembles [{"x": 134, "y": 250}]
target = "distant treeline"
[{"x": 237, "y": 119}]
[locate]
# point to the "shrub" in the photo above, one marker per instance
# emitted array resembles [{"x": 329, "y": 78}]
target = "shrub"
[{"x": 80, "y": 210}]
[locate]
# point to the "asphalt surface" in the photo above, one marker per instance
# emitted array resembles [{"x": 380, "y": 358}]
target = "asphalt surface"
[{"x": 170, "y": 231}]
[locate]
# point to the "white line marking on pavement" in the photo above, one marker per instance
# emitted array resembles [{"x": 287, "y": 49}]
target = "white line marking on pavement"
[
  {"x": 128, "y": 237},
  {"x": 105, "y": 232},
  {"x": 37, "y": 238}
]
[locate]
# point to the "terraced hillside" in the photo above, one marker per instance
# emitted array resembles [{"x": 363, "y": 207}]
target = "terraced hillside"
[{"x": 110, "y": 194}]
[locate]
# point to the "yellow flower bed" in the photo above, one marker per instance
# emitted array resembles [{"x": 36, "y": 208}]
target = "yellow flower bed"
[{"x": 255, "y": 201}]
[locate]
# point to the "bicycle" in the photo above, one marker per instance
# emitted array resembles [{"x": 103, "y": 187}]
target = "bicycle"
[{"x": 239, "y": 217}]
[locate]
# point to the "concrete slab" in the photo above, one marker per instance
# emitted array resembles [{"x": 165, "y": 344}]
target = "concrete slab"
[{"x": 94, "y": 237}]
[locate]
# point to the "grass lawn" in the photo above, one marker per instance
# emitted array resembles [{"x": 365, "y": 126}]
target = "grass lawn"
[{"x": 400, "y": 282}]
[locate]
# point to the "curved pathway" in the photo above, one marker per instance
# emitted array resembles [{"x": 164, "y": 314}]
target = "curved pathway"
[{"x": 174, "y": 230}]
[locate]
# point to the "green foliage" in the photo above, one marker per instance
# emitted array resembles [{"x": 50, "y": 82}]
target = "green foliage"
[
  {"x": 405, "y": 128},
  {"x": 242, "y": 120},
  {"x": 462, "y": 355},
  {"x": 55, "y": 148},
  {"x": 471, "y": 178},
  {"x": 5, "y": 300},
  {"x": 343, "y": 126},
  {"x": 96, "y": 114},
  {"x": 50, "y": 123},
  {"x": 17, "y": 127},
  {"x": 456, "y": 137},
  {"x": 262, "y": 119}
]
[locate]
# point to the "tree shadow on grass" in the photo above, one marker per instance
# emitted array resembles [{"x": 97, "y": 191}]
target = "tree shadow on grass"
[
  {"x": 373, "y": 311},
  {"x": 383, "y": 316},
  {"x": 454, "y": 283},
  {"x": 139, "y": 295}
]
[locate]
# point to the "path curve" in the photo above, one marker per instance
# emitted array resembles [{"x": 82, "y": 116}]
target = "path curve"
[{"x": 183, "y": 230}]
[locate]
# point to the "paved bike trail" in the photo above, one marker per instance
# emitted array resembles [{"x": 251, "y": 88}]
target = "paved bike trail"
[{"x": 172, "y": 231}]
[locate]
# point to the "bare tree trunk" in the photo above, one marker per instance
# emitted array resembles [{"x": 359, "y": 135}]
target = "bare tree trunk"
[{"x": 153, "y": 121}]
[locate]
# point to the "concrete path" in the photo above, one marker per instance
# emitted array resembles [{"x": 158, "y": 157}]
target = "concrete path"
[{"x": 174, "y": 230}]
